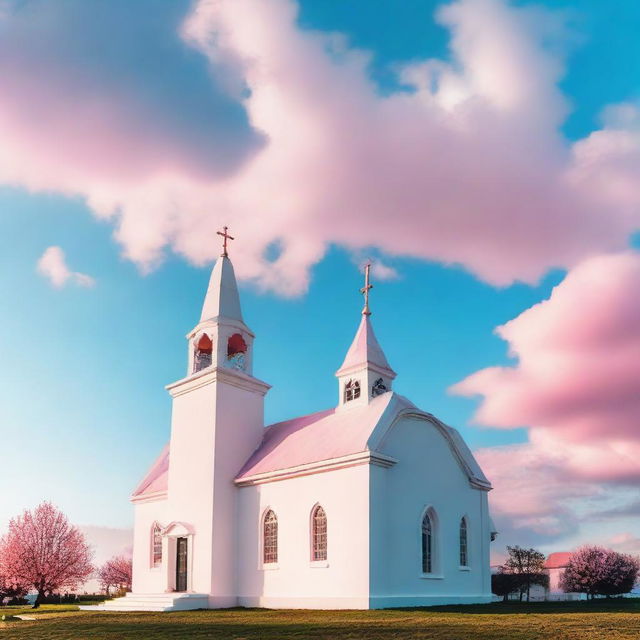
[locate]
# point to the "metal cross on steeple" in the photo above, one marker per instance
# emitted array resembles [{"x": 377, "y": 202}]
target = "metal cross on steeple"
[
  {"x": 365, "y": 289},
  {"x": 226, "y": 237}
]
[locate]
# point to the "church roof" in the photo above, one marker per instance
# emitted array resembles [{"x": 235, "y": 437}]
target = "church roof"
[
  {"x": 222, "y": 299},
  {"x": 157, "y": 478},
  {"x": 327, "y": 436},
  {"x": 320, "y": 436},
  {"x": 365, "y": 351}
]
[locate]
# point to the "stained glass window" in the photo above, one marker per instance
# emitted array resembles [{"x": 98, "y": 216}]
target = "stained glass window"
[
  {"x": 351, "y": 390},
  {"x": 270, "y": 538},
  {"x": 319, "y": 534},
  {"x": 427, "y": 544},
  {"x": 464, "y": 558},
  {"x": 156, "y": 545}
]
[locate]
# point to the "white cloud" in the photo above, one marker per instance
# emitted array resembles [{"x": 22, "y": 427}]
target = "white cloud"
[{"x": 52, "y": 265}]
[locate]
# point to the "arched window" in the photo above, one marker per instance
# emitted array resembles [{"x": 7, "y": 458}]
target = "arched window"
[
  {"x": 318, "y": 534},
  {"x": 156, "y": 545},
  {"x": 270, "y": 538},
  {"x": 202, "y": 355},
  {"x": 236, "y": 352},
  {"x": 351, "y": 390},
  {"x": 464, "y": 553},
  {"x": 427, "y": 543}
]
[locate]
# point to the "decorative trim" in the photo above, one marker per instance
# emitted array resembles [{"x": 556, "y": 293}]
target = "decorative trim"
[
  {"x": 218, "y": 321},
  {"x": 364, "y": 457},
  {"x": 476, "y": 483},
  {"x": 214, "y": 374},
  {"x": 149, "y": 497},
  {"x": 188, "y": 528},
  {"x": 362, "y": 366}
]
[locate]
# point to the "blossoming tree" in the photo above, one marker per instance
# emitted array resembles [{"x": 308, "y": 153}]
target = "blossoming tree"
[
  {"x": 116, "y": 573},
  {"x": 599, "y": 571},
  {"x": 10, "y": 587},
  {"x": 43, "y": 551}
]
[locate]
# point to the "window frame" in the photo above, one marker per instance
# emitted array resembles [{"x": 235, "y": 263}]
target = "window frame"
[
  {"x": 352, "y": 390},
  {"x": 466, "y": 565},
  {"x": 202, "y": 358},
  {"x": 314, "y": 534},
  {"x": 433, "y": 569},
  {"x": 271, "y": 563},
  {"x": 156, "y": 559}
]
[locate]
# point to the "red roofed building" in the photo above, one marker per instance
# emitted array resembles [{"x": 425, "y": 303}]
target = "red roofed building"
[{"x": 555, "y": 565}]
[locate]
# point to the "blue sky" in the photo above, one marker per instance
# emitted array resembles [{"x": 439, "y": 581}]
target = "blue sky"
[
  {"x": 86, "y": 368},
  {"x": 83, "y": 408}
]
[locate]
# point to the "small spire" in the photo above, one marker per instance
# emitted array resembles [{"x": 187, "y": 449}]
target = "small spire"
[
  {"x": 365, "y": 352},
  {"x": 222, "y": 299},
  {"x": 226, "y": 237},
  {"x": 365, "y": 290}
]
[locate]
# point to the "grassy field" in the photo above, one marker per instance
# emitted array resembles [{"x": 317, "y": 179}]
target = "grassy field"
[{"x": 601, "y": 620}]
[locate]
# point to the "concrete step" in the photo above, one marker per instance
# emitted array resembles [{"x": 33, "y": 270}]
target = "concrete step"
[{"x": 153, "y": 602}]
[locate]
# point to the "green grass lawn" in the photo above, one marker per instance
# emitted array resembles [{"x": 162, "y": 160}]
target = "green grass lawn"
[{"x": 600, "y": 620}]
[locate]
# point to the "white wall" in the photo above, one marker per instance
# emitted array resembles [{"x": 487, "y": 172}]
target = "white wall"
[
  {"x": 296, "y": 582},
  {"x": 239, "y": 431},
  {"x": 427, "y": 474},
  {"x": 147, "y": 579},
  {"x": 217, "y": 423},
  {"x": 191, "y": 470}
]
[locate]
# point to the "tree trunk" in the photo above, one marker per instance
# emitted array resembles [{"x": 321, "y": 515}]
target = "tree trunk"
[{"x": 39, "y": 599}]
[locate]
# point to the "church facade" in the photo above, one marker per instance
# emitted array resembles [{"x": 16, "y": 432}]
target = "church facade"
[{"x": 372, "y": 503}]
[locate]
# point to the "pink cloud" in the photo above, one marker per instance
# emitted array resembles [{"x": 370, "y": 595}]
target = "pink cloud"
[
  {"x": 533, "y": 492},
  {"x": 576, "y": 386},
  {"x": 466, "y": 166},
  {"x": 626, "y": 542},
  {"x": 576, "y": 382}
]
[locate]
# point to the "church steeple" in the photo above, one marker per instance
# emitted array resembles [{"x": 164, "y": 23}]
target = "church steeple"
[
  {"x": 221, "y": 338},
  {"x": 222, "y": 298},
  {"x": 365, "y": 372},
  {"x": 217, "y": 421}
]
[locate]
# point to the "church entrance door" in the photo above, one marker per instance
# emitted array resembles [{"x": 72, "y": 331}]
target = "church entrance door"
[{"x": 181, "y": 564}]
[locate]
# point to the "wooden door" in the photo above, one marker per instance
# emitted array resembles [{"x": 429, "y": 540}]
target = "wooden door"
[{"x": 181, "y": 564}]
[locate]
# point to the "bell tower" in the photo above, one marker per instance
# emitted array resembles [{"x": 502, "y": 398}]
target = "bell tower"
[
  {"x": 221, "y": 338},
  {"x": 365, "y": 372},
  {"x": 217, "y": 423}
]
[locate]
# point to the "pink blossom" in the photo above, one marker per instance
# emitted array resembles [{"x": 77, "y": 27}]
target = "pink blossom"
[
  {"x": 599, "y": 571},
  {"x": 42, "y": 550}
]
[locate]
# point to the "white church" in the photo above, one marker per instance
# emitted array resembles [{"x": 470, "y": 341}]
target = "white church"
[{"x": 372, "y": 503}]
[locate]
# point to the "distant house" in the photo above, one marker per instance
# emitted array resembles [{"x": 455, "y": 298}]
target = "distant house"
[{"x": 555, "y": 565}]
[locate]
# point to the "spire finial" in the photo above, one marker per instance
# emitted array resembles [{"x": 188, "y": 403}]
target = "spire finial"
[
  {"x": 365, "y": 289},
  {"x": 226, "y": 237}
]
